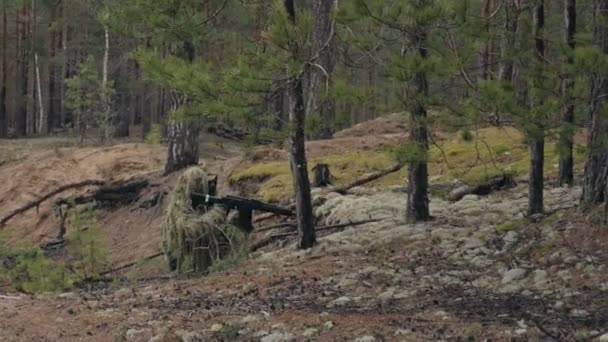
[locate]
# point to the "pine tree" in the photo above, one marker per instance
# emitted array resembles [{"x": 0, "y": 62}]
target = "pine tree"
[
  {"x": 566, "y": 160},
  {"x": 596, "y": 166}
]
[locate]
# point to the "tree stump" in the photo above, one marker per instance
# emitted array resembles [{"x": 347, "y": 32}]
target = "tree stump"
[{"x": 322, "y": 176}]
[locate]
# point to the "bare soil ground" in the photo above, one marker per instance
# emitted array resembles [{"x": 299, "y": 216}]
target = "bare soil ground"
[{"x": 478, "y": 271}]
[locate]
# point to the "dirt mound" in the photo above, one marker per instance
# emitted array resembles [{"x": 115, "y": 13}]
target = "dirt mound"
[
  {"x": 43, "y": 172},
  {"x": 389, "y": 124}
]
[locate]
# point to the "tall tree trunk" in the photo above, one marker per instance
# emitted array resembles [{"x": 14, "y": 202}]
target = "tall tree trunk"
[
  {"x": 596, "y": 166},
  {"x": 566, "y": 160},
  {"x": 4, "y": 70},
  {"x": 54, "y": 42},
  {"x": 512, "y": 9},
  {"x": 537, "y": 138},
  {"x": 487, "y": 48},
  {"x": 182, "y": 135},
  {"x": 417, "y": 198},
  {"x": 299, "y": 164},
  {"x": 22, "y": 72},
  {"x": 324, "y": 48},
  {"x": 107, "y": 112},
  {"x": 65, "y": 70},
  {"x": 42, "y": 120},
  {"x": 183, "y": 145}
]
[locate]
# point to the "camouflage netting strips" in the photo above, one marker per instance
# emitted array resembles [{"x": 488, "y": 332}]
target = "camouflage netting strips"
[{"x": 193, "y": 240}]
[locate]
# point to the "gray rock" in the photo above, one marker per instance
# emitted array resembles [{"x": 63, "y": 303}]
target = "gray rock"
[
  {"x": 342, "y": 301},
  {"x": 328, "y": 325},
  {"x": 133, "y": 334},
  {"x": 250, "y": 319},
  {"x": 603, "y": 338},
  {"x": 579, "y": 313},
  {"x": 540, "y": 278},
  {"x": 513, "y": 275},
  {"x": 310, "y": 332},
  {"x": 278, "y": 337},
  {"x": 367, "y": 338},
  {"x": 216, "y": 327}
]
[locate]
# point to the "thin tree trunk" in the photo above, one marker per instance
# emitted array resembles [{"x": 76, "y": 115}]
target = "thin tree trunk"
[
  {"x": 299, "y": 164},
  {"x": 42, "y": 120},
  {"x": 54, "y": 109},
  {"x": 596, "y": 165},
  {"x": 487, "y": 48},
  {"x": 324, "y": 48},
  {"x": 537, "y": 140},
  {"x": 107, "y": 113},
  {"x": 65, "y": 71},
  {"x": 566, "y": 160},
  {"x": 22, "y": 73},
  {"x": 511, "y": 8},
  {"x": 183, "y": 145},
  {"x": 3, "y": 105},
  {"x": 183, "y": 148},
  {"x": 417, "y": 198}
]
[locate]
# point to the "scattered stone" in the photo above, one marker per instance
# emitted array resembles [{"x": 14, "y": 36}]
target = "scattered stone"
[
  {"x": 540, "y": 278},
  {"x": 603, "y": 338},
  {"x": 579, "y": 313},
  {"x": 310, "y": 332},
  {"x": 123, "y": 293},
  {"x": 216, "y": 327},
  {"x": 133, "y": 334},
  {"x": 367, "y": 338},
  {"x": 328, "y": 325},
  {"x": 250, "y": 319},
  {"x": 513, "y": 275},
  {"x": 387, "y": 295},
  {"x": 402, "y": 332},
  {"x": 278, "y": 337},
  {"x": 260, "y": 333},
  {"x": 342, "y": 301}
]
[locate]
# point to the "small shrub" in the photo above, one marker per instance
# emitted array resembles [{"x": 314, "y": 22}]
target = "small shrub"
[
  {"x": 155, "y": 135},
  {"x": 86, "y": 247},
  {"x": 27, "y": 269}
]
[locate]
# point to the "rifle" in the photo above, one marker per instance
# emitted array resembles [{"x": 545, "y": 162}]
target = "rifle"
[
  {"x": 234, "y": 202},
  {"x": 244, "y": 206}
]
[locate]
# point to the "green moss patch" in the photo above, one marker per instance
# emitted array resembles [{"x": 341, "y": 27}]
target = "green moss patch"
[{"x": 492, "y": 151}]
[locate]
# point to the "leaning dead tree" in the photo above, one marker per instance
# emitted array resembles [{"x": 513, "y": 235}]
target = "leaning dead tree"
[{"x": 37, "y": 202}]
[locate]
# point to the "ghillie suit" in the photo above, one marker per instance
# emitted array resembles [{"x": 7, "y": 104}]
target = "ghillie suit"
[{"x": 196, "y": 238}]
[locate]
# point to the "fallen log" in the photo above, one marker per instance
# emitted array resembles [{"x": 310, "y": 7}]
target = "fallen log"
[
  {"x": 493, "y": 184},
  {"x": 367, "y": 178},
  {"x": 120, "y": 268},
  {"x": 36, "y": 203},
  {"x": 268, "y": 240},
  {"x": 344, "y": 188}
]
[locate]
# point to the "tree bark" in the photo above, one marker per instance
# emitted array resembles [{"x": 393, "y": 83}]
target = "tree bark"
[
  {"x": 107, "y": 113},
  {"x": 183, "y": 145},
  {"x": 54, "y": 111},
  {"x": 417, "y": 198},
  {"x": 511, "y": 8},
  {"x": 324, "y": 48},
  {"x": 3, "y": 105},
  {"x": 487, "y": 48},
  {"x": 299, "y": 167},
  {"x": 537, "y": 139},
  {"x": 22, "y": 72},
  {"x": 41, "y": 126},
  {"x": 566, "y": 160},
  {"x": 596, "y": 165}
]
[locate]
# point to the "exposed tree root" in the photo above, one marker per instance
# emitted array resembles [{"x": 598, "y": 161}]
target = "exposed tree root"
[{"x": 36, "y": 203}]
